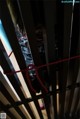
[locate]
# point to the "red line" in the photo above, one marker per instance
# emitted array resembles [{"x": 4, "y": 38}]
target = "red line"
[
  {"x": 59, "y": 61},
  {"x": 31, "y": 66},
  {"x": 29, "y": 82},
  {"x": 41, "y": 66},
  {"x": 10, "y": 53},
  {"x": 13, "y": 72},
  {"x": 38, "y": 77}
]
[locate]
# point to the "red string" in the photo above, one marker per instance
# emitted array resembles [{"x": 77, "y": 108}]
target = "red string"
[
  {"x": 59, "y": 61},
  {"x": 31, "y": 66},
  {"x": 13, "y": 72},
  {"x": 10, "y": 53},
  {"x": 29, "y": 82},
  {"x": 38, "y": 77}
]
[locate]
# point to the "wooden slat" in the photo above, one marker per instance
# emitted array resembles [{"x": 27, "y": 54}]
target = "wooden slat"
[
  {"x": 15, "y": 46},
  {"x": 50, "y": 21},
  {"x": 74, "y": 78},
  {"x": 13, "y": 80},
  {"x": 74, "y": 65},
  {"x": 66, "y": 52},
  {"x": 10, "y": 99},
  {"x": 18, "y": 103},
  {"x": 30, "y": 29},
  {"x": 76, "y": 103},
  {"x": 59, "y": 32},
  {"x": 3, "y": 108}
]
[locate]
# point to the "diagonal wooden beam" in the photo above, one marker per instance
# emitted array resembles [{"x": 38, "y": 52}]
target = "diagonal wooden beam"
[
  {"x": 18, "y": 103},
  {"x": 66, "y": 52},
  {"x": 15, "y": 46},
  {"x": 13, "y": 79},
  {"x": 76, "y": 103},
  {"x": 30, "y": 29},
  {"x": 3, "y": 108},
  {"x": 49, "y": 43},
  {"x": 75, "y": 49},
  {"x": 9, "y": 98},
  {"x": 59, "y": 34},
  {"x": 74, "y": 78}
]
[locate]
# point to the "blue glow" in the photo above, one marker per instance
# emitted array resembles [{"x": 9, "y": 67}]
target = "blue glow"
[{"x": 4, "y": 36}]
